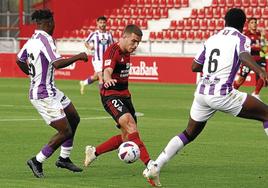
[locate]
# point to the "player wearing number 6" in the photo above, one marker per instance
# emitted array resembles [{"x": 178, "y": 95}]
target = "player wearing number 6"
[
  {"x": 38, "y": 59},
  {"x": 219, "y": 60}
]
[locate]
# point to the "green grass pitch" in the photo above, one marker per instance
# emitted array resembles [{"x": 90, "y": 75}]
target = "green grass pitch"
[{"x": 230, "y": 153}]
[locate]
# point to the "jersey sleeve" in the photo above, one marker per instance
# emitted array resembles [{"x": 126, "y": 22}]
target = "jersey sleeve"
[
  {"x": 22, "y": 55},
  {"x": 49, "y": 49},
  {"x": 200, "y": 56},
  {"x": 90, "y": 38},
  {"x": 244, "y": 44},
  {"x": 109, "y": 58}
]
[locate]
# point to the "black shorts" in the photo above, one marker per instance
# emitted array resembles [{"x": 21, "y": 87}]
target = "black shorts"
[
  {"x": 244, "y": 70},
  {"x": 117, "y": 106}
]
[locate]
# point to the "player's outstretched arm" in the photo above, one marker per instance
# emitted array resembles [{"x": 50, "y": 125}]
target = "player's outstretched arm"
[
  {"x": 23, "y": 66},
  {"x": 248, "y": 61},
  {"x": 61, "y": 63}
]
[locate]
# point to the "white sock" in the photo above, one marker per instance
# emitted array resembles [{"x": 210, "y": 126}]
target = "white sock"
[
  {"x": 85, "y": 82},
  {"x": 266, "y": 131},
  {"x": 65, "y": 152},
  {"x": 40, "y": 157},
  {"x": 172, "y": 148}
]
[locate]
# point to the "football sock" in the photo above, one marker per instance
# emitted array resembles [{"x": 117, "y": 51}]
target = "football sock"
[
  {"x": 45, "y": 153},
  {"x": 144, "y": 156},
  {"x": 110, "y": 145},
  {"x": 236, "y": 85},
  {"x": 65, "y": 152},
  {"x": 172, "y": 148},
  {"x": 265, "y": 126},
  {"x": 259, "y": 86},
  {"x": 88, "y": 81}
]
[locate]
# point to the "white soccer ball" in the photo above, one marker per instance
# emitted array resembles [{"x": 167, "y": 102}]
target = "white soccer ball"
[{"x": 129, "y": 152}]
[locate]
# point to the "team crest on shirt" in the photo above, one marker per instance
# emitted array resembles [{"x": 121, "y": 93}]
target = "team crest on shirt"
[
  {"x": 127, "y": 65},
  {"x": 107, "y": 62}
]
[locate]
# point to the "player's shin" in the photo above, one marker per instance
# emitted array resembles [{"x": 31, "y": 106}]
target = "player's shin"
[
  {"x": 45, "y": 153},
  {"x": 172, "y": 148},
  {"x": 134, "y": 137}
]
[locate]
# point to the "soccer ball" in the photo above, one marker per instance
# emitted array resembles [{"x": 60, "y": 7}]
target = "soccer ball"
[{"x": 129, "y": 152}]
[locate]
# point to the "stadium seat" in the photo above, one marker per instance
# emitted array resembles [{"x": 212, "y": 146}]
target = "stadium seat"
[
  {"x": 195, "y": 24},
  {"x": 257, "y": 13},
  {"x": 182, "y": 35},
  {"x": 262, "y": 3},
  {"x": 170, "y": 3},
  {"x": 184, "y": 3},
  {"x": 152, "y": 36},
  {"x": 175, "y": 35},
  {"x": 198, "y": 35},
  {"x": 230, "y": 3},
  {"x": 204, "y": 25},
  {"x": 135, "y": 13},
  {"x": 119, "y": 13},
  {"x": 188, "y": 24},
  {"x": 155, "y": 4},
  {"x": 167, "y": 35},
  {"x": 143, "y": 24},
  {"x": 114, "y": 25},
  {"x": 164, "y": 13},
  {"x": 201, "y": 13},
  {"x": 133, "y": 3},
  {"x": 212, "y": 25},
  {"x": 194, "y": 13},
  {"x": 156, "y": 13},
  {"x": 214, "y": 3},
  {"x": 261, "y": 24},
  {"x": 190, "y": 35},
  {"x": 148, "y": 3},
  {"x": 177, "y": 3},
  {"x": 208, "y": 12},
  {"x": 220, "y": 24},
  {"x": 127, "y": 13},
  {"x": 217, "y": 13},
  {"x": 142, "y": 13},
  {"x": 253, "y": 3},
  {"x": 222, "y": 3},
  {"x": 206, "y": 35},
  {"x": 238, "y": 3},
  {"x": 249, "y": 12},
  {"x": 265, "y": 13},
  {"x": 180, "y": 25},
  {"x": 162, "y": 3},
  {"x": 173, "y": 25},
  {"x": 246, "y": 3},
  {"x": 159, "y": 36},
  {"x": 140, "y": 3},
  {"x": 149, "y": 13}
]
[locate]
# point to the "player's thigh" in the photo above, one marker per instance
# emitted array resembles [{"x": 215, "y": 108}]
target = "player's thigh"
[
  {"x": 97, "y": 65},
  {"x": 115, "y": 106},
  {"x": 49, "y": 108},
  {"x": 200, "y": 110},
  {"x": 254, "y": 109},
  {"x": 128, "y": 102}
]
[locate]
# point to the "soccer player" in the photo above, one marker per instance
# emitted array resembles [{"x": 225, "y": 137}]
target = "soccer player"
[
  {"x": 256, "y": 48},
  {"x": 219, "y": 60},
  {"x": 98, "y": 42},
  {"x": 38, "y": 59},
  {"x": 116, "y": 97}
]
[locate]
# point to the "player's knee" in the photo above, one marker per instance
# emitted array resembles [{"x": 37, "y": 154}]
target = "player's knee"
[{"x": 67, "y": 132}]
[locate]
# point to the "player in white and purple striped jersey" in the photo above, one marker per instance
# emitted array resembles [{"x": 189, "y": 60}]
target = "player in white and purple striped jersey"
[
  {"x": 97, "y": 41},
  {"x": 38, "y": 59},
  {"x": 219, "y": 60}
]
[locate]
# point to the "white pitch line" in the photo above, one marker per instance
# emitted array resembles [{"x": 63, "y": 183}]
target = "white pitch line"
[{"x": 37, "y": 119}]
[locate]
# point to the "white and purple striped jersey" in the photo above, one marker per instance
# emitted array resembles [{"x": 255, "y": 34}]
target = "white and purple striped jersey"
[
  {"x": 40, "y": 53},
  {"x": 220, "y": 59},
  {"x": 100, "y": 41}
]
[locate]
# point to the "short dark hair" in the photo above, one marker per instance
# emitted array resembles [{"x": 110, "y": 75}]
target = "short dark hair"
[
  {"x": 42, "y": 14},
  {"x": 102, "y": 18},
  {"x": 131, "y": 28},
  {"x": 236, "y": 18},
  {"x": 252, "y": 18}
]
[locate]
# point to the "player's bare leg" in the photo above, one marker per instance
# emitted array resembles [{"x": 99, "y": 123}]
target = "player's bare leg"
[{"x": 87, "y": 81}]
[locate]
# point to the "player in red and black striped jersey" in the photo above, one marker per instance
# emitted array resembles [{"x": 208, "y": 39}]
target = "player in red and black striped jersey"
[
  {"x": 256, "y": 47},
  {"x": 116, "y": 97}
]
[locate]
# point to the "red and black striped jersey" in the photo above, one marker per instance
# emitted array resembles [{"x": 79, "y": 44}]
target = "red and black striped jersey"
[
  {"x": 120, "y": 63},
  {"x": 255, "y": 43}
]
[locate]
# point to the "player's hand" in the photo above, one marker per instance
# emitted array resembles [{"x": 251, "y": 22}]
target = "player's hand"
[
  {"x": 83, "y": 56},
  {"x": 110, "y": 82}
]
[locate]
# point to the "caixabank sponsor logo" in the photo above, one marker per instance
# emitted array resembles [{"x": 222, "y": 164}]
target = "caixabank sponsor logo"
[{"x": 143, "y": 71}]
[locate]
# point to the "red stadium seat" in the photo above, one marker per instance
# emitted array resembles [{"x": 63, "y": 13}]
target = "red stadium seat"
[
  {"x": 167, "y": 35},
  {"x": 222, "y": 3},
  {"x": 206, "y": 34},
  {"x": 156, "y": 13},
  {"x": 180, "y": 25},
  {"x": 162, "y": 3},
  {"x": 149, "y": 13},
  {"x": 217, "y": 13},
  {"x": 184, "y": 3},
  {"x": 204, "y": 25},
  {"x": 253, "y": 3},
  {"x": 182, "y": 35},
  {"x": 196, "y": 24},
  {"x": 140, "y": 3},
  {"x": 170, "y": 3},
  {"x": 220, "y": 24},
  {"x": 114, "y": 25},
  {"x": 159, "y": 36},
  {"x": 175, "y": 35},
  {"x": 127, "y": 13},
  {"x": 214, "y": 3},
  {"x": 142, "y": 13},
  {"x": 133, "y": 3},
  {"x": 198, "y": 35},
  {"x": 148, "y": 3},
  {"x": 173, "y": 25},
  {"x": 246, "y": 3},
  {"x": 194, "y": 13},
  {"x": 188, "y": 24},
  {"x": 155, "y": 3},
  {"x": 249, "y": 12},
  {"x": 212, "y": 25},
  {"x": 144, "y": 24},
  {"x": 177, "y": 3},
  {"x": 201, "y": 13},
  {"x": 265, "y": 13},
  {"x": 261, "y": 24},
  {"x": 230, "y": 3},
  {"x": 135, "y": 13},
  {"x": 190, "y": 35},
  {"x": 208, "y": 12},
  {"x": 262, "y": 3},
  {"x": 237, "y": 3},
  {"x": 152, "y": 36},
  {"x": 257, "y": 13},
  {"x": 164, "y": 13}
]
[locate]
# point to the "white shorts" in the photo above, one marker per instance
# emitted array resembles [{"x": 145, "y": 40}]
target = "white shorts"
[
  {"x": 52, "y": 108},
  {"x": 204, "y": 106},
  {"x": 97, "y": 65}
]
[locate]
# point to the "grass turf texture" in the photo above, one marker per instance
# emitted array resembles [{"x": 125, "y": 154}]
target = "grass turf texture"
[{"x": 231, "y": 152}]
